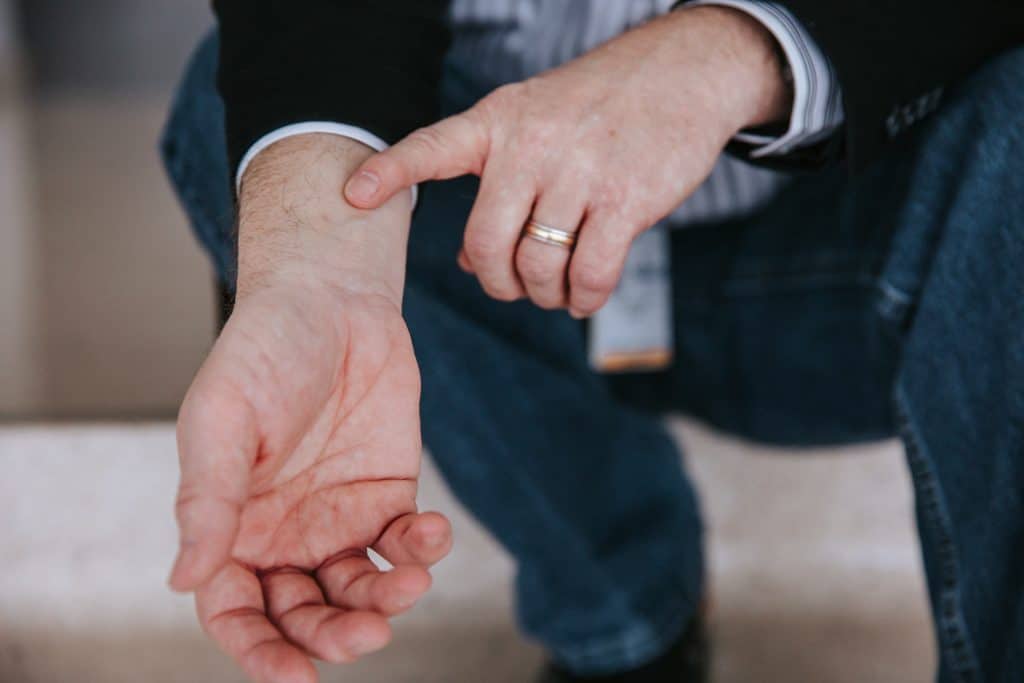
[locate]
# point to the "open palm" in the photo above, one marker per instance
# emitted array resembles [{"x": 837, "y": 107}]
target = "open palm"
[{"x": 300, "y": 449}]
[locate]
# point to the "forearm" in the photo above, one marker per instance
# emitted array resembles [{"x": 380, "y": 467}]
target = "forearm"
[
  {"x": 746, "y": 62},
  {"x": 295, "y": 225},
  {"x": 709, "y": 59}
]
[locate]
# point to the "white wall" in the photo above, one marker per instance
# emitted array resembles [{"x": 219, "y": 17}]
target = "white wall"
[{"x": 106, "y": 303}]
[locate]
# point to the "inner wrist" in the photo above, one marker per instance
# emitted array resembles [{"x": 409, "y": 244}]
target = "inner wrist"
[
  {"x": 312, "y": 267},
  {"x": 296, "y": 228}
]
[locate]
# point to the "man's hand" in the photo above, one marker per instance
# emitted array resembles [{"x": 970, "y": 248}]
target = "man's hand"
[
  {"x": 606, "y": 145},
  {"x": 299, "y": 438}
]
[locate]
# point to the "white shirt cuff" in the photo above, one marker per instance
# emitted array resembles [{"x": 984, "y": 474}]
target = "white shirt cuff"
[
  {"x": 355, "y": 133},
  {"x": 817, "y": 98}
]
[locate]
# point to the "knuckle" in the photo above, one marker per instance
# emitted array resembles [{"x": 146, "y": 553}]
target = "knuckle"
[
  {"x": 536, "y": 268},
  {"x": 480, "y": 248},
  {"x": 427, "y": 141},
  {"x": 592, "y": 277},
  {"x": 510, "y": 109},
  {"x": 611, "y": 199},
  {"x": 588, "y": 302},
  {"x": 536, "y": 136},
  {"x": 502, "y": 97},
  {"x": 184, "y": 502},
  {"x": 189, "y": 509}
]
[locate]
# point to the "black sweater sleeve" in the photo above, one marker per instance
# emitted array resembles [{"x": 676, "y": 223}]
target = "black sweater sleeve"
[
  {"x": 375, "y": 64},
  {"x": 896, "y": 59}
]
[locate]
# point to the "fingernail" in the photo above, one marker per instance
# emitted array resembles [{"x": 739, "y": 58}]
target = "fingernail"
[
  {"x": 362, "y": 186},
  {"x": 577, "y": 314}
]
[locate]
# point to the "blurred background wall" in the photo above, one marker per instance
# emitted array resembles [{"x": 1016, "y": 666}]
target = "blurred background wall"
[{"x": 106, "y": 305}]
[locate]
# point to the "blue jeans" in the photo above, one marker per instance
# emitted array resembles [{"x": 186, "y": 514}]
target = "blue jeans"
[{"x": 849, "y": 309}]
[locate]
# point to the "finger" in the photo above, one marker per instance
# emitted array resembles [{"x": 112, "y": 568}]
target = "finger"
[
  {"x": 452, "y": 147},
  {"x": 423, "y": 538},
  {"x": 502, "y": 206},
  {"x": 354, "y": 582},
  {"x": 597, "y": 263},
  {"x": 216, "y": 446},
  {"x": 296, "y": 605},
  {"x": 542, "y": 267},
  {"x": 463, "y": 262},
  {"x": 231, "y": 611}
]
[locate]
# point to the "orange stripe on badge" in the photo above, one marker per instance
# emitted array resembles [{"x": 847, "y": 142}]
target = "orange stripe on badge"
[{"x": 646, "y": 360}]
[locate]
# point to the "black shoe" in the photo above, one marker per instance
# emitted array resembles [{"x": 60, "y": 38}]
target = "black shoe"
[{"x": 687, "y": 661}]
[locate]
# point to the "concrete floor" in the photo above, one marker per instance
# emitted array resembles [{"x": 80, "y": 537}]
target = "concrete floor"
[{"x": 814, "y": 567}]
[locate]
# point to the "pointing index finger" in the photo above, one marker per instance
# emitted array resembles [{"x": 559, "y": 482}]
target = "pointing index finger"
[{"x": 452, "y": 147}]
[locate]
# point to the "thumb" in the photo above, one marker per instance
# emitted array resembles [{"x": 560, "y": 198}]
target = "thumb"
[
  {"x": 216, "y": 446},
  {"x": 452, "y": 147}
]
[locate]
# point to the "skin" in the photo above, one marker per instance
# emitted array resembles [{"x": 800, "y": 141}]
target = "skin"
[
  {"x": 606, "y": 146},
  {"x": 299, "y": 438}
]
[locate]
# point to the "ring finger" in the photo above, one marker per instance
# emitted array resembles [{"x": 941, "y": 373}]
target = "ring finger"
[{"x": 542, "y": 264}]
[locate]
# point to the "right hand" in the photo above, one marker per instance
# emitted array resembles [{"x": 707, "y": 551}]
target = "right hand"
[
  {"x": 603, "y": 147},
  {"x": 300, "y": 447}
]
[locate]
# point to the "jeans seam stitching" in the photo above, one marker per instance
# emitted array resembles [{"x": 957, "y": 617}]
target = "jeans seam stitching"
[{"x": 948, "y": 613}]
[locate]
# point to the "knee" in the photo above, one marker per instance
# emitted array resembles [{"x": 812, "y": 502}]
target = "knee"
[
  {"x": 969, "y": 170},
  {"x": 998, "y": 85},
  {"x": 961, "y": 238},
  {"x": 985, "y": 112}
]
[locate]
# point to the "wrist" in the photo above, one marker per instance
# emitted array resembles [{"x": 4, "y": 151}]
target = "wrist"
[
  {"x": 296, "y": 228},
  {"x": 745, "y": 67}
]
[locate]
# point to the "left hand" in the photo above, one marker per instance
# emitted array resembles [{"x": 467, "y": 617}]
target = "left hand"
[
  {"x": 300, "y": 436},
  {"x": 604, "y": 146}
]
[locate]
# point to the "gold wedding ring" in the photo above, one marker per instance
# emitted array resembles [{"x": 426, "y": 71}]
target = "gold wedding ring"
[{"x": 548, "y": 235}]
